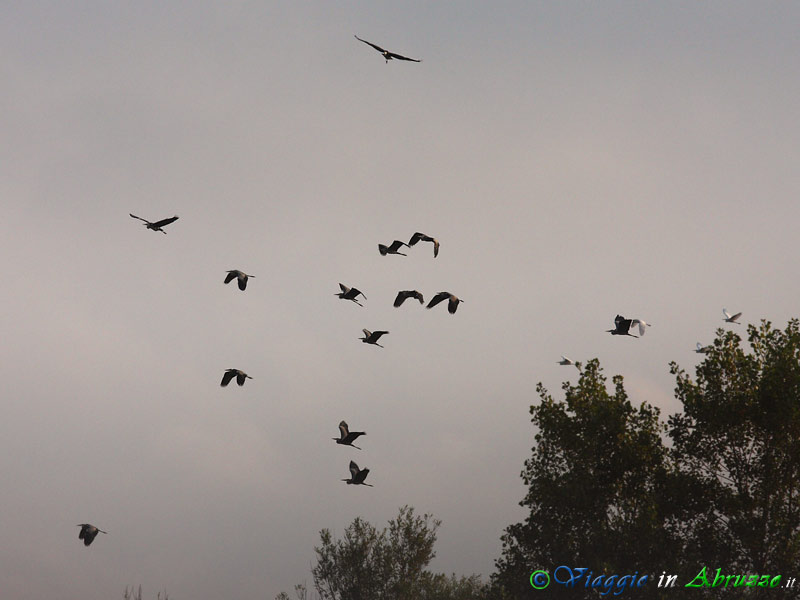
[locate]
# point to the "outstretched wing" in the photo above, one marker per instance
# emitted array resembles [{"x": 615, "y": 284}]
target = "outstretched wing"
[
  {"x": 164, "y": 222},
  {"x": 415, "y": 238},
  {"x": 736, "y": 316},
  {"x": 401, "y": 57},
  {"x": 378, "y": 48},
  {"x": 226, "y": 379},
  {"x": 438, "y": 298},
  {"x": 376, "y": 335},
  {"x": 344, "y": 288},
  {"x": 401, "y": 297},
  {"x": 353, "y": 469},
  {"x": 242, "y": 281},
  {"x": 240, "y": 378},
  {"x": 343, "y": 430},
  {"x": 435, "y": 248},
  {"x": 231, "y": 276},
  {"x": 396, "y": 245},
  {"x": 140, "y": 218}
]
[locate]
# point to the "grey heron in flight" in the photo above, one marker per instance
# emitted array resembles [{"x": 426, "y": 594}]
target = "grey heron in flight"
[
  {"x": 405, "y": 295},
  {"x": 452, "y": 301},
  {"x": 729, "y": 318},
  {"x": 702, "y": 349},
  {"x": 240, "y": 276},
  {"x": 372, "y": 337},
  {"x": 357, "y": 476},
  {"x": 394, "y": 248},
  {"x": 348, "y": 293},
  {"x": 88, "y": 533},
  {"x": 347, "y": 437},
  {"x": 386, "y": 54},
  {"x": 241, "y": 377},
  {"x": 158, "y": 224},
  {"x": 417, "y": 237}
]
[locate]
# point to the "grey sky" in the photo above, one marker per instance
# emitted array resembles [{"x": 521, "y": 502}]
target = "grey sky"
[{"x": 575, "y": 160}]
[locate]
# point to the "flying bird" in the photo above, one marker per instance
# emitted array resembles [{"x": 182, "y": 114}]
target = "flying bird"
[
  {"x": 403, "y": 296},
  {"x": 372, "y": 337},
  {"x": 386, "y": 54},
  {"x": 622, "y": 326},
  {"x": 702, "y": 349},
  {"x": 357, "y": 476},
  {"x": 241, "y": 376},
  {"x": 240, "y": 276},
  {"x": 348, "y": 437},
  {"x": 158, "y": 224},
  {"x": 731, "y": 318},
  {"x": 393, "y": 249},
  {"x": 417, "y": 237},
  {"x": 348, "y": 293},
  {"x": 452, "y": 303},
  {"x": 567, "y": 361},
  {"x": 88, "y": 533}
]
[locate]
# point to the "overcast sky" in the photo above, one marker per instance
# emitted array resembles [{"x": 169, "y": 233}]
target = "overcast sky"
[{"x": 576, "y": 160}]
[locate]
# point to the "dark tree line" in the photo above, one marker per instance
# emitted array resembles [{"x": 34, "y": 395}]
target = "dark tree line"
[{"x": 613, "y": 488}]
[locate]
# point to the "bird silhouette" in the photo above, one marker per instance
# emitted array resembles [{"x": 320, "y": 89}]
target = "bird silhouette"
[
  {"x": 417, "y": 237},
  {"x": 357, "y": 476},
  {"x": 372, "y": 337},
  {"x": 240, "y": 276},
  {"x": 452, "y": 301},
  {"x": 731, "y": 318},
  {"x": 241, "y": 376},
  {"x": 622, "y": 326},
  {"x": 394, "y": 248},
  {"x": 702, "y": 349},
  {"x": 88, "y": 533},
  {"x": 158, "y": 224},
  {"x": 386, "y": 54},
  {"x": 404, "y": 295},
  {"x": 347, "y": 437},
  {"x": 348, "y": 293}
]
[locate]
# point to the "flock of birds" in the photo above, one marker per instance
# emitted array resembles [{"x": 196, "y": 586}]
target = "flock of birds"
[
  {"x": 358, "y": 475},
  {"x": 622, "y": 326}
]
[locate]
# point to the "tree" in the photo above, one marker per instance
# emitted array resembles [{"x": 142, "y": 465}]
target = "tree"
[
  {"x": 367, "y": 564},
  {"x": 594, "y": 480},
  {"x": 737, "y": 450}
]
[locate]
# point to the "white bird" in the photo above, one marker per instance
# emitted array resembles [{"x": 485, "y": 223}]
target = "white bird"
[
  {"x": 731, "y": 318},
  {"x": 425, "y": 238},
  {"x": 241, "y": 276},
  {"x": 567, "y": 361},
  {"x": 241, "y": 377},
  {"x": 702, "y": 349},
  {"x": 347, "y": 437},
  {"x": 348, "y": 293},
  {"x": 357, "y": 476},
  {"x": 641, "y": 324},
  {"x": 158, "y": 224},
  {"x": 452, "y": 301},
  {"x": 88, "y": 533},
  {"x": 394, "y": 248},
  {"x": 372, "y": 337}
]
